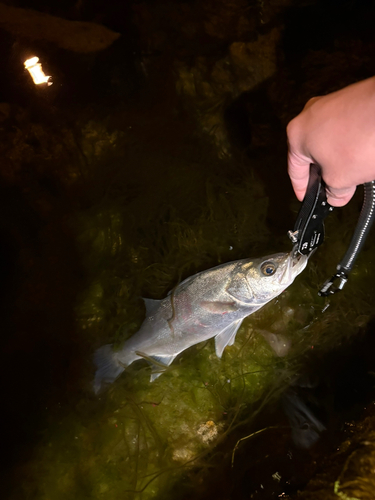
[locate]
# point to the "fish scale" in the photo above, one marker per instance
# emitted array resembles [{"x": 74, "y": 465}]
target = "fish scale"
[{"x": 210, "y": 304}]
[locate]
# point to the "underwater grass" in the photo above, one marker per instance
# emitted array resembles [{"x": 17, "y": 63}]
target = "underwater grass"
[{"x": 139, "y": 438}]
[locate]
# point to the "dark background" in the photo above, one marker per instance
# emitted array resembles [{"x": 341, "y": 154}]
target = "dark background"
[{"x": 134, "y": 86}]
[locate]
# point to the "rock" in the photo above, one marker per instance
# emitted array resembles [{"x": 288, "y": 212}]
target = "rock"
[{"x": 83, "y": 37}]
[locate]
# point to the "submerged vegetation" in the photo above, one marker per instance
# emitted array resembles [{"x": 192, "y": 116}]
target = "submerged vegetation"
[
  {"x": 139, "y": 439},
  {"x": 117, "y": 192}
]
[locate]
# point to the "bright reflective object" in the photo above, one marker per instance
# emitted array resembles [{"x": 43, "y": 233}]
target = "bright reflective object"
[{"x": 34, "y": 67}]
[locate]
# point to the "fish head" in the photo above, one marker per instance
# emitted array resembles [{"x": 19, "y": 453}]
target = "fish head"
[{"x": 267, "y": 277}]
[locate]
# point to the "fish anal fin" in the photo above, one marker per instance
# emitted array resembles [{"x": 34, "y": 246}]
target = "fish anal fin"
[
  {"x": 226, "y": 337},
  {"x": 151, "y": 306},
  {"x": 159, "y": 361},
  {"x": 163, "y": 360},
  {"x": 155, "y": 375}
]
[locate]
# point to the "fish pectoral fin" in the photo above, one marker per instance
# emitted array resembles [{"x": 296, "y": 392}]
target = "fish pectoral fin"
[
  {"x": 240, "y": 290},
  {"x": 226, "y": 337},
  {"x": 219, "y": 307}
]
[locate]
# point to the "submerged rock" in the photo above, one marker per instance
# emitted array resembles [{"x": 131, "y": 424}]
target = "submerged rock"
[
  {"x": 349, "y": 472},
  {"x": 77, "y": 36}
]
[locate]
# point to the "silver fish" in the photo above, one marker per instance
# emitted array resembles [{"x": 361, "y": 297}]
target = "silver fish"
[{"x": 209, "y": 304}]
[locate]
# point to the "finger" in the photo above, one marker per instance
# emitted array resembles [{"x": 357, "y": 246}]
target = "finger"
[
  {"x": 311, "y": 101},
  {"x": 299, "y": 172},
  {"x": 339, "y": 197}
]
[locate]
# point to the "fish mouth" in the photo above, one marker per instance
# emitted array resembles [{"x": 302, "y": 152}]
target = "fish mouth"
[
  {"x": 295, "y": 264},
  {"x": 299, "y": 261}
]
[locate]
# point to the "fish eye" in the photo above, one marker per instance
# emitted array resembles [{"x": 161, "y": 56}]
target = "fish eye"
[{"x": 268, "y": 268}]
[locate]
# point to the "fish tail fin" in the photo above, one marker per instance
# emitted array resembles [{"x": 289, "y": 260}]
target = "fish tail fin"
[{"x": 108, "y": 367}]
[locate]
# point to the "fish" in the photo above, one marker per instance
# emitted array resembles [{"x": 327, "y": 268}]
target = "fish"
[
  {"x": 209, "y": 304},
  {"x": 306, "y": 428}
]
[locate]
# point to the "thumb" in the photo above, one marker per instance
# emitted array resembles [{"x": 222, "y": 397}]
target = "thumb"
[
  {"x": 339, "y": 197},
  {"x": 299, "y": 172}
]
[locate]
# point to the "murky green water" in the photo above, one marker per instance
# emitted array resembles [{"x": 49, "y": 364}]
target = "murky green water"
[
  {"x": 137, "y": 230},
  {"x": 109, "y": 198}
]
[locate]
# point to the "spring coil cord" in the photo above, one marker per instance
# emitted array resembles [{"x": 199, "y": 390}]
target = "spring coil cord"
[{"x": 365, "y": 220}]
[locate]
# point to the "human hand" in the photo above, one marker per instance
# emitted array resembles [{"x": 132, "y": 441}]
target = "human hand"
[{"x": 336, "y": 131}]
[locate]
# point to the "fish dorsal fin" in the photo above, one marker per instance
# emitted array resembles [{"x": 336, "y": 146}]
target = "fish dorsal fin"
[
  {"x": 226, "y": 337},
  {"x": 151, "y": 306}
]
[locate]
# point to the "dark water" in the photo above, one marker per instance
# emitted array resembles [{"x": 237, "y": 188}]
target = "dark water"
[{"x": 117, "y": 182}]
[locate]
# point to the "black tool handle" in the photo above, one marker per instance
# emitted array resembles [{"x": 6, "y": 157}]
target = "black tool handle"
[
  {"x": 365, "y": 221},
  {"x": 308, "y": 231},
  {"x": 366, "y": 218}
]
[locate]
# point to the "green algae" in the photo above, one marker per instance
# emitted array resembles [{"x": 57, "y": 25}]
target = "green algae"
[{"x": 140, "y": 439}]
